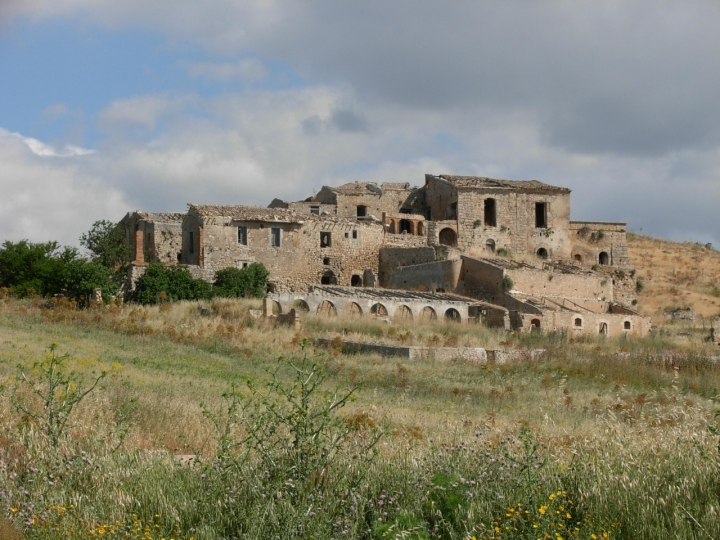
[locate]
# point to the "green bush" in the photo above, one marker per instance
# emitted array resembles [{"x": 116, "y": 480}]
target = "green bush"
[
  {"x": 639, "y": 286},
  {"x": 507, "y": 283},
  {"x": 241, "y": 283},
  {"x": 26, "y": 266},
  {"x": 107, "y": 244},
  {"x": 80, "y": 277},
  {"x": 175, "y": 281}
]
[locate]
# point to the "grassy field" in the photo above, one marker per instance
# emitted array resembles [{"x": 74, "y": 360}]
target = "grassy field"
[{"x": 598, "y": 437}]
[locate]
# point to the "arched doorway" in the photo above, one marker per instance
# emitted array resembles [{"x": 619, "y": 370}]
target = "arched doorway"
[
  {"x": 276, "y": 308},
  {"x": 535, "y": 325},
  {"x": 448, "y": 237},
  {"x": 604, "y": 258},
  {"x": 403, "y": 313},
  {"x": 353, "y": 309},
  {"x": 328, "y": 278},
  {"x": 428, "y": 314},
  {"x": 453, "y": 315},
  {"x": 300, "y": 306},
  {"x": 603, "y": 329},
  {"x": 379, "y": 310},
  {"x": 404, "y": 226},
  {"x": 490, "y": 246},
  {"x": 355, "y": 281},
  {"x": 542, "y": 253},
  {"x": 326, "y": 309}
]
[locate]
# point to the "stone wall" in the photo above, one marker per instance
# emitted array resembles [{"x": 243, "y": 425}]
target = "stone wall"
[
  {"x": 391, "y": 257},
  {"x": 377, "y": 200},
  {"x": 164, "y": 242},
  {"x": 582, "y": 289},
  {"x": 435, "y": 276},
  {"x": 482, "y": 280},
  {"x": 590, "y": 323},
  {"x": 300, "y": 260},
  {"x": 590, "y": 239}
]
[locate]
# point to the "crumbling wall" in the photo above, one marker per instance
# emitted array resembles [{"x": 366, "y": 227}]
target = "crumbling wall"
[
  {"x": 434, "y": 276},
  {"x": 575, "y": 287},
  {"x": 165, "y": 242},
  {"x": 482, "y": 280},
  {"x": 590, "y": 239},
  {"x": 392, "y": 257}
]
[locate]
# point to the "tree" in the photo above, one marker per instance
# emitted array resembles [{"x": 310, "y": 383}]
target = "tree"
[
  {"x": 28, "y": 266},
  {"x": 107, "y": 244},
  {"x": 239, "y": 283},
  {"x": 80, "y": 277}
]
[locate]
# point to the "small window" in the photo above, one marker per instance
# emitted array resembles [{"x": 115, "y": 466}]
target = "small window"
[
  {"x": 325, "y": 239},
  {"x": 604, "y": 258},
  {"x": 347, "y": 235},
  {"x": 361, "y": 210},
  {"x": 542, "y": 253},
  {"x": 315, "y": 210},
  {"x": 275, "y": 237},
  {"x": 541, "y": 215},
  {"x": 627, "y": 325},
  {"x": 242, "y": 235},
  {"x": 191, "y": 247},
  {"x": 355, "y": 235},
  {"x": 578, "y": 322},
  {"x": 326, "y": 261},
  {"x": 242, "y": 264},
  {"x": 490, "y": 215},
  {"x": 355, "y": 281}
]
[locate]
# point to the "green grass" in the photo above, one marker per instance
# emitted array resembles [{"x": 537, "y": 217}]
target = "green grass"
[{"x": 625, "y": 430}]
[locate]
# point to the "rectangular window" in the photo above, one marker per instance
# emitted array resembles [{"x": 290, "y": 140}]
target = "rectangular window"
[
  {"x": 361, "y": 210},
  {"x": 325, "y": 239},
  {"x": 275, "y": 237},
  {"x": 355, "y": 235},
  {"x": 315, "y": 210},
  {"x": 347, "y": 235},
  {"x": 191, "y": 247},
  {"x": 541, "y": 215},
  {"x": 490, "y": 213},
  {"x": 242, "y": 235}
]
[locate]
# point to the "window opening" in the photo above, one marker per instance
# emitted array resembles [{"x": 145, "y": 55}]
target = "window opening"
[
  {"x": 490, "y": 213},
  {"x": 275, "y": 237},
  {"x": 315, "y": 210},
  {"x": 404, "y": 226},
  {"x": 355, "y": 281},
  {"x": 578, "y": 322},
  {"x": 361, "y": 210},
  {"x": 242, "y": 236},
  {"x": 328, "y": 278},
  {"x": 604, "y": 258},
  {"x": 578, "y": 257},
  {"x": 325, "y": 239},
  {"x": 542, "y": 253},
  {"x": 355, "y": 235},
  {"x": 326, "y": 261},
  {"x": 627, "y": 325},
  {"x": 541, "y": 215},
  {"x": 448, "y": 237},
  {"x": 347, "y": 235},
  {"x": 490, "y": 246}
]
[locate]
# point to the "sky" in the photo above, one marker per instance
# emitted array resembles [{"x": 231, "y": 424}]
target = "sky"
[{"x": 108, "y": 107}]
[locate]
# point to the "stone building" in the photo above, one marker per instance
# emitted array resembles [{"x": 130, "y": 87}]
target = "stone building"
[
  {"x": 153, "y": 236},
  {"x": 461, "y": 235}
]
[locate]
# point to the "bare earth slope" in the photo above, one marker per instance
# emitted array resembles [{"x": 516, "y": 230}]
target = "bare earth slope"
[{"x": 675, "y": 275}]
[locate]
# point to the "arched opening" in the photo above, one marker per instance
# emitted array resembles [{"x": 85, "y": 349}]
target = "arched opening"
[
  {"x": 428, "y": 314},
  {"x": 353, "y": 309},
  {"x": 404, "y": 226},
  {"x": 603, "y": 329},
  {"x": 379, "y": 310},
  {"x": 328, "y": 278},
  {"x": 604, "y": 258},
  {"x": 577, "y": 257},
  {"x": 326, "y": 309},
  {"x": 271, "y": 287},
  {"x": 453, "y": 315},
  {"x": 535, "y": 324},
  {"x": 627, "y": 325},
  {"x": 355, "y": 280},
  {"x": 448, "y": 237},
  {"x": 542, "y": 253},
  {"x": 300, "y": 306},
  {"x": 276, "y": 307},
  {"x": 361, "y": 210},
  {"x": 490, "y": 246},
  {"x": 403, "y": 313},
  {"x": 578, "y": 322},
  {"x": 490, "y": 215}
]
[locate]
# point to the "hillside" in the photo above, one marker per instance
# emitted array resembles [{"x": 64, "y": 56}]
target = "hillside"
[{"x": 675, "y": 275}]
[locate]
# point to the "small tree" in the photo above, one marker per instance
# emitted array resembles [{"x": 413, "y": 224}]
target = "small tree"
[
  {"x": 176, "y": 282},
  {"x": 107, "y": 244},
  {"x": 80, "y": 277},
  {"x": 25, "y": 265}
]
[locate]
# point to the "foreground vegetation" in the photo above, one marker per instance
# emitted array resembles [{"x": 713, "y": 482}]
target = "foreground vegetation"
[{"x": 598, "y": 437}]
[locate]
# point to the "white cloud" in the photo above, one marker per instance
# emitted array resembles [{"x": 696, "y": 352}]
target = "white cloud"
[
  {"x": 39, "y": 148},
  {"x": 50, "y": 199},
  {"x": 142, "y": 111}
]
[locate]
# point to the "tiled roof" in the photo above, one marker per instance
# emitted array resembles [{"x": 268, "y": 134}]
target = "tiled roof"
[{"x": 484, "y": 182}]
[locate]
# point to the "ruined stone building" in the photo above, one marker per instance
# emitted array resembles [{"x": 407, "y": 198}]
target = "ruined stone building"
[{"x": 507, "y": 247}]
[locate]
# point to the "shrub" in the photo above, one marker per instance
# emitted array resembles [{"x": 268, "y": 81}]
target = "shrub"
[
  {"x": 175, "y": 281},
  {"x": 502, "y": 251},
  {"x": 639, "y": 286},
  {"x": 106, "y": 244},
  {"x": 80, "y": 277},
  {"x": 507, "y": 283},
  {"x": 25, "y": 265},
  {"x": 241, "y": 283}
]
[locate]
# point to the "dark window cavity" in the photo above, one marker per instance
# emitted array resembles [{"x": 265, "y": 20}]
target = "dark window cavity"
[
  {"x": 325, "y": 239},
  {"x": 242, "y": 236},
  {"x": 541, "y": 215},
  {"x": 490, "y": 213},
  {"x": 361, "y": 210},
  {"x": 275, "y": 237}
]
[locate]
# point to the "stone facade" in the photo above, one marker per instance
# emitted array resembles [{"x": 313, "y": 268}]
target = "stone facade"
[
  {"x": 153, "y": 236},
  {"x": 366, "y": 199}
]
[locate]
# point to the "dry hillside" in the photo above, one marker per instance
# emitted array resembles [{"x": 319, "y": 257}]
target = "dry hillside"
[{"x": 675, "y": 275}]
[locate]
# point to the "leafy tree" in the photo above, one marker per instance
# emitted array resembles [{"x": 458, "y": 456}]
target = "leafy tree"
[
  {"x": 175, "y": 281},
  {"x": 80, "y": 277},
  {"x": 107, "y": 244},
  {"x": 239, "y": 283},
  {"x": 28, "y": 266}
]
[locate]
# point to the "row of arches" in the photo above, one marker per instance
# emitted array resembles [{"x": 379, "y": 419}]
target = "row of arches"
[
  {"x": 603, "y": 258},
  {"x": 326, "y": 308}
]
